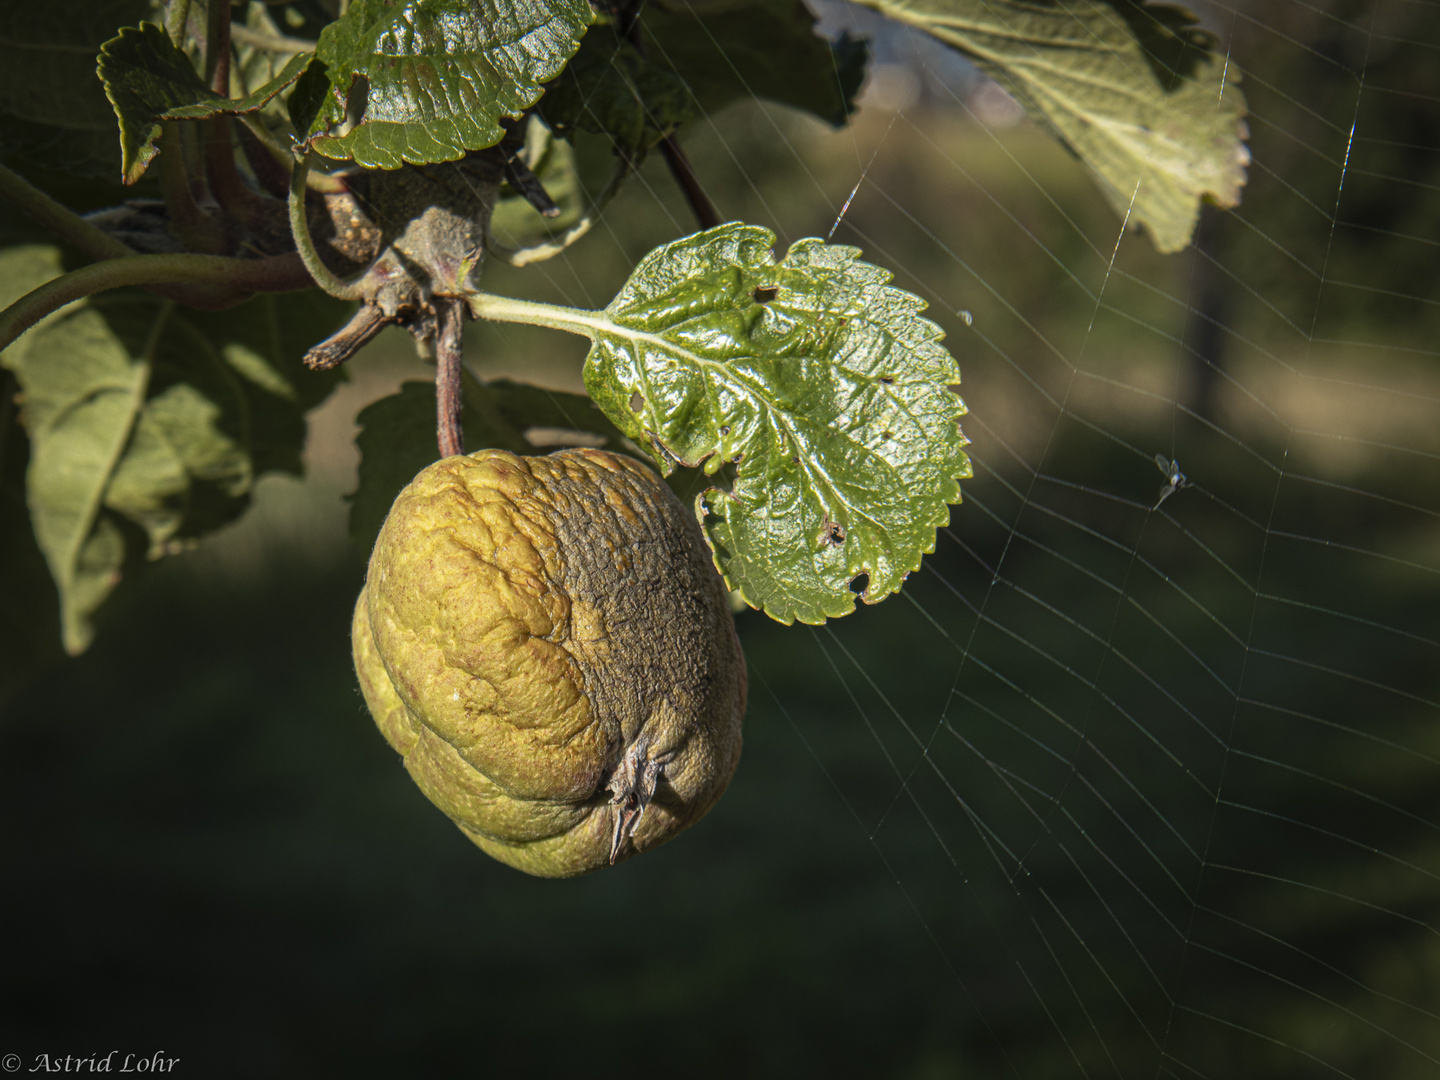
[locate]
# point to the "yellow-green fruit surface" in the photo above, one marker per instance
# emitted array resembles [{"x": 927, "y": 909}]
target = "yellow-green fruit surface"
[{"x": 547, "y": 643}]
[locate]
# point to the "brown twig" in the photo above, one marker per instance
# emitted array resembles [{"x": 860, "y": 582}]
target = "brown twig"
[
  {"x": 700, "y": 203},
  {"x": 348, "y": 340},
  {"x": 449, "y": 366}
]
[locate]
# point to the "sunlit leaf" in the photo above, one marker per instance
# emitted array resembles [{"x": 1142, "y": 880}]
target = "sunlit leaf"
[
  {"x": 428, "y": 80},
  {"x": 397, "y": 436},
  {"x": 148, "y": 423},
  {"x": 1136, "y": 90},
  {"x": 819, "y": 383},
  {"x": 148, "y": 79}
]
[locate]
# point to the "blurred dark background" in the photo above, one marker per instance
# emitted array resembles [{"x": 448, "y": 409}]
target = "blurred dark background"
[{"x": 1108, "y": 790}]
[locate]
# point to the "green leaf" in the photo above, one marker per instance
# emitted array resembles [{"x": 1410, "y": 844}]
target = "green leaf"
[
  {"x": 397, "y": 436},
  {"x": 147, "y": 424},
  {"x": 759, "y": 50},
  {"x": 53, "y": 110},
  {"x": 429, "y": 80},
  {"x": 148, "y": 79},
  {"x": 821, "y": 385},
  {"x": 1136, "y": 90}
]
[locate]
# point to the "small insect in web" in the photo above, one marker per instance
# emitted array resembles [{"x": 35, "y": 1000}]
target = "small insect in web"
[{"x": 1174, "y": 478}]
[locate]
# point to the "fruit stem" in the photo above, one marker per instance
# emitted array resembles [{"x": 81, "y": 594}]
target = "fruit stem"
[
  {"x": 300, "y": 229},
  {"x": 449, "y": 367}
]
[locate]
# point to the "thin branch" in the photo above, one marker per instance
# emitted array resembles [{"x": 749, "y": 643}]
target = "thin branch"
[
  {"x": 213, "y": 282},
  {"x": 60, "y": 220},
  {"x": 217, "y": 46},
  {"x": 700, "y": 203},
  {"x": 300, "y": 228},
  {"x": 449, "y": 366}
]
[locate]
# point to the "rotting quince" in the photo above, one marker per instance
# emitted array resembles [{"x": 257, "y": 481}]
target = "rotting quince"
[{"x": 548, "y": 644}]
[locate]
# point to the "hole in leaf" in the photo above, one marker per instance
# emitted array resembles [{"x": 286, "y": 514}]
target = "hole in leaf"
[
  {"x": 765, "y": 293},
  {"x": 887, "y": 379},
  {"x": 637, "y": 401},
  {"x": 834, "y": 533},
  {"x": 859, "y": 583}
]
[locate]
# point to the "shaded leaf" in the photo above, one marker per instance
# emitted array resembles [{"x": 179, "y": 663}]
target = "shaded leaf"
[
  {"x": 761, "y": 50},
  {"x": 610, "y": 89},
  {"x": 53, "y": 109},
  {"x": 1136, "y": 90},
  {"x": 821, "y": 385},
  {"x": 148, "y": 79},
  {"x": 147, "y": 424},
  {"x": 397, "y": 436},
  {"x": 29, "y": 614},
  {"x": 429, "y": 80}
]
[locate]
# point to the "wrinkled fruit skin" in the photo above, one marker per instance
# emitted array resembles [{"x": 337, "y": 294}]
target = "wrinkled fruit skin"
[{"x": 547, "y": 643}]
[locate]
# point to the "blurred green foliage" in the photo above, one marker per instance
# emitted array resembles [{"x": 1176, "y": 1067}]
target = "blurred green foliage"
[{"x": 1010, "y": 822}]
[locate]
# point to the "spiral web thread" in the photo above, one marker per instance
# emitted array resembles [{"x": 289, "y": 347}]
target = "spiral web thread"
[{"x": 1147, "y": 755}]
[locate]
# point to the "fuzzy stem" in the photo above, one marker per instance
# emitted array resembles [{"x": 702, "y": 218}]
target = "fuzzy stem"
[
  {"x": 449, "y": 367},
  {"x": 505, "y": 309},
  {"x": 300, "y": 228},
  {"x": 230, "y": 281},
  {"x": 60, "y": 220}
]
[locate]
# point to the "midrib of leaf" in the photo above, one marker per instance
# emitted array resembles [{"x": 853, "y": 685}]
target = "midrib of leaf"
[
  {"x": 591, "y": 324},
  {"x": 75, "y": 633},
  {"x": 595, "y": 324}
]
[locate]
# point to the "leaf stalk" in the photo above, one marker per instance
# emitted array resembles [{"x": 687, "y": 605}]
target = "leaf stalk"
[
  {"x": 214, "y": 282},
  {"x": 305, "y": 245}
]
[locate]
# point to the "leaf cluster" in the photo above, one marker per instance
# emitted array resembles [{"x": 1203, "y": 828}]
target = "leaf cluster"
[{"x": 814, "y": 399}]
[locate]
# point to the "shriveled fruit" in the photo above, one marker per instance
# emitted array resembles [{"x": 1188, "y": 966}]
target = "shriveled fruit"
[{"x": 548, "y": 644}]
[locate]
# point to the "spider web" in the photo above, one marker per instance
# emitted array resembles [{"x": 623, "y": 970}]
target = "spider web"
[
  {"x": 1139, "y": 775},
  {"x": 1146, "y": 755}
]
